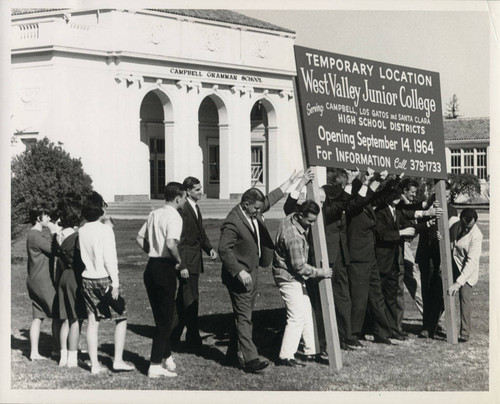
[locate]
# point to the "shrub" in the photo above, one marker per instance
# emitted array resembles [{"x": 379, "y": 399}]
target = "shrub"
[{"x": 41, "y": 175}]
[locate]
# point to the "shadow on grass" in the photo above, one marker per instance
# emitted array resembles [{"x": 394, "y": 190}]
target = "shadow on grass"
[
  {"x": 268, "y": 328},
  {"x": 22, "y": 343}
]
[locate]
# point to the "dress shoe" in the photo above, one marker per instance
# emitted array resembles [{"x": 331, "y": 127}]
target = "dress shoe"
[
  {"x": 381, "y": 340},
  {"x": 353, "y": 342},
  {"x": 233, "y": 360},
  {"x": 463, "y": 338},
  {"x": 289, "y": 362},
  {"x": 398, "y": 336},
  {"x": 255, "y": 365}
]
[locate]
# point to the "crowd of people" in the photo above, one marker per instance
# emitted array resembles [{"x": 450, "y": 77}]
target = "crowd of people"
[{"x": 369, "y": 219}]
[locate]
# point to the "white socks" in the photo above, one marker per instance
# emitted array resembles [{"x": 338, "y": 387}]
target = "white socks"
[
  {"x": 72, "y": 359},
  {"x": 68, "y": 358},
  {"x": 63, "y": 361}
]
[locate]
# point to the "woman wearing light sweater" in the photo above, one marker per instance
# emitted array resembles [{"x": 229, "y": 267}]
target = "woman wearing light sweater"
[{"x": 98, "y": 253}]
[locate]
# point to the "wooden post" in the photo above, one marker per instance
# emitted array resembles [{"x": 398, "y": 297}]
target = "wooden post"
[
  {"x": 446, "y": 268},
  {"x": 321, "y": 255},
  {"x": 325, "y": 285}
]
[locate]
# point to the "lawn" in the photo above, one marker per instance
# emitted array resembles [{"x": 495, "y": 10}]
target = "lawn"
[{"x": 412, "y": 365}]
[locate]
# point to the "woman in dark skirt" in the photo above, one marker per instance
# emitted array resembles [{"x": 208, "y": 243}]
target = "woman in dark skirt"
[
  {"x": 71, "y": 305},
  {"x": 40, "y": 282}
]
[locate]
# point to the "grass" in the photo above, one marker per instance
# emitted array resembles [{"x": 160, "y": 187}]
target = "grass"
[{"x": 412, "y": 365}]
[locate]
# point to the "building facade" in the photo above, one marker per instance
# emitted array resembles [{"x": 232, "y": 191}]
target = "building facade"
[
  {"x": 150, "y": 96},
  {"x": 145, "y": 97}
]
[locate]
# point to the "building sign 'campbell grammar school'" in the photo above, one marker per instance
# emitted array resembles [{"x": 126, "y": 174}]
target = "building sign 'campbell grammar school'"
[{"x": 360, "y": 113}]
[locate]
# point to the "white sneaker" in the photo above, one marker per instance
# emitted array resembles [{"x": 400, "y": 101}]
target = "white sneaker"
[
  {"x": 169, "y": 364},
  {"x": 157, "y": 371}
]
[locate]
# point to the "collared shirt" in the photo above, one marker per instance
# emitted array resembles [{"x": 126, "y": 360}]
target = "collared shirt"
[
  {"x": 254, "y": 224},
  {"x": 98, "y": 251},
  {"x": 63, "y": 234},
  {"x": 194, "y": 206},
  {"x": 162, "y": 224},
  {"x": 292, "y": 251}
]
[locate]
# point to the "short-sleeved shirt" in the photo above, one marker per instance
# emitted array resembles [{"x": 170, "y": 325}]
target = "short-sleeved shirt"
[{"x": 162, "y": 224}]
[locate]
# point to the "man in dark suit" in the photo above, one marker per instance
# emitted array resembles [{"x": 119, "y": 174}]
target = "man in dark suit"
[
  {"x": 244, "y": 245},
  {"x": 428, "y": 258},
  {"x": 364, "y": 277},
  {"x": 391, "y": 227},
  {"x": 193, "y": 241}
]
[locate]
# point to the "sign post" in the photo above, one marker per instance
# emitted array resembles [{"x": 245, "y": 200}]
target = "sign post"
[{"x": 359, "y": 113}]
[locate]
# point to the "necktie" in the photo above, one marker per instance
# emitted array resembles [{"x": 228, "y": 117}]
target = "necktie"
[
  {"x": 198, "y": 211},
  {"x": 254, "y": 228}
]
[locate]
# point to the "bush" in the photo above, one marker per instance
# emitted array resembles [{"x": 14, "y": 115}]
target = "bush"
[{"x": 41, "y": 175}]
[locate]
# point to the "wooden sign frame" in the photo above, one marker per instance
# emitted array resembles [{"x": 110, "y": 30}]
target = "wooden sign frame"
[
  {"x": 321, "y": 256},
  {"x": 445, "y": 266}
]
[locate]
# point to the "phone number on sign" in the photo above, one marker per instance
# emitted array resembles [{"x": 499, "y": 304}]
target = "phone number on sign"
[{"x": 425, "y": 166}]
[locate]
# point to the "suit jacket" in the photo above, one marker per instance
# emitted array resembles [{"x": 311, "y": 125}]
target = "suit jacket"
[
  {"x": 466, "y": 253},
  {"x": 193, "y": 240},
  {"x": 389, "y": 244},
  {"x": 428, "y": 243},
  {"x": 238, "y": 248}
]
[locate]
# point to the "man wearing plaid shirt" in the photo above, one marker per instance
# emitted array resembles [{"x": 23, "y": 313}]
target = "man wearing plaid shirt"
[{"x": 290, "y": 270}]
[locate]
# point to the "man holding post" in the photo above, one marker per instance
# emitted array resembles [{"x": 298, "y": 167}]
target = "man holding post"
[
  {"x": 193, "y": 241},
  {"x": 244, "y": 245}
]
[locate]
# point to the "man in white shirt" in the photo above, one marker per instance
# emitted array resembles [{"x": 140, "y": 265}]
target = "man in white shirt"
[
  {"x": 159, "y": 237},
  {"x": 466, "y": 242}
]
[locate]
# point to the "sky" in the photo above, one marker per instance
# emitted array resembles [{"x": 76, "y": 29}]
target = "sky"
[{"x": 453, "y": 43}]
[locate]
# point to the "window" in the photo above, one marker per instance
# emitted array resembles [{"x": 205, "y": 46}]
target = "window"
[
  {"x": 213, "y": 164},
  {"x": 456, "y": 161},
  {"x": 257, "y": 165},
  {"x": 469, "y": 161}
]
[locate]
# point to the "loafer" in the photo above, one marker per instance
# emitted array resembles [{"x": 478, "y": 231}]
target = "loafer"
[
  {"x": 346, "y": 347},
  {"x": 290, "y": 363},
  {"x": 353, "y": 342},
  {"x": 381, "y": 340},
  {"x": 398, "y": 337},
  {"x": 255, "y": 365}
]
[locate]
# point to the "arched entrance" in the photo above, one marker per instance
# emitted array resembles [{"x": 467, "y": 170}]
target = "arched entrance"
[
  {"x": 152, "y": 117},
  {"x": 209, "y": 128},
  {"x": 261, "y": 119}
]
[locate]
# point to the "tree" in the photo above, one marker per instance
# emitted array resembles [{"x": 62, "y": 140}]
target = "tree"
[
  {"x": 41, "y": 175},
  {"x": 452, "y": 108},
  {"x": 464, "y": 184}
]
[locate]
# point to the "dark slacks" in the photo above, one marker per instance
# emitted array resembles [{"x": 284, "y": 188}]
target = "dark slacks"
[
  {"x": 240, "y": 338},
  {"x": 432, "y": 295},
  {"x": 161, "y": 281},
  {"x": 342, "y": 298},
  {"x": 186, "y": 310},
  {"x": 366, "y": 292},
  {"x": 390, "y": 283}
]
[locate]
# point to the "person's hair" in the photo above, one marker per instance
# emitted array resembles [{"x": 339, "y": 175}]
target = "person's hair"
[
  {"x": 252, "y": 195},
  {"x": 393, "y": 194},
  {"x": 93, "y": 207},
  {"x": 468, "y": 214},
  {"x": 173, "y": 190},
  {"x": 407, "y": 183},
  {"x": 69, "y": 214},
  {"x": 309, "y": 206},
  {"x": 36, "y": 212},
  {"x": 334, "y": 176},
  {"x": 190, "y": 182}
]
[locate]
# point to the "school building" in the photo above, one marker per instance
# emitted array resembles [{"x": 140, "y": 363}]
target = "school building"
[{"x": 144, "y": 97}]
